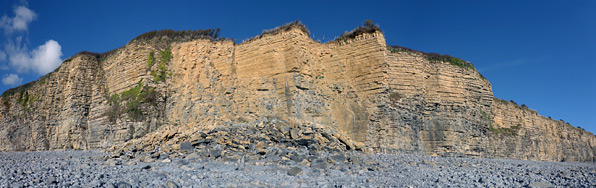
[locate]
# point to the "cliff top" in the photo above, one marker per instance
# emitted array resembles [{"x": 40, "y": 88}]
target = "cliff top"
[
  {"x": 163, "y": 39},
  {"x": 367, "y": 27}
]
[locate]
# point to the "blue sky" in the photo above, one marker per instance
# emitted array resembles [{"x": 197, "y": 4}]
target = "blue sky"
[{"x": 538, "y": 53}]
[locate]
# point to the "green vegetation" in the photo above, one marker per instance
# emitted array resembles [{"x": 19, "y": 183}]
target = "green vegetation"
[
  {"x": 504, "y": 131},
  {"x": 395, "y": 49},
  {"x": 132, "y": 93},
  {"x": 242, "y": 120},
  {"x": 115, "y": 99},
  {"x": 500, "y": 100},
  {"x": 6, "y": 103},
  {"x": 166, "y": 55},
  {"x": 435, "y": 57},
  {"x": 156, "y": 77},
  {"x": 161, "y": 72},
  {"x": 130, "y": 101},
  {"x": 491, "y": 128},
  {"x": 179, "y": 35},
  {"x": 321, "y": 76},
  {"x": 521, "y": 107},
  {"x": 517, "y": 127},
  {"x": 501, "y": 130},
  {"x": 163, "y": 39},
  {"x": 24, "y": 100},
  {"x": 150, "y": 59},
  {"x": 486, "y": 117},
  {"x": 367, "y": 27},
  {"x": 451, "y": 60},
  {"x": 21, "y": 89}
]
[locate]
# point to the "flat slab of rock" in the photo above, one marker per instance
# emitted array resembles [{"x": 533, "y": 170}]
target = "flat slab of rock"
[
  {"x": 186, "y": 146},
  {"x": 295, "y": 171}
]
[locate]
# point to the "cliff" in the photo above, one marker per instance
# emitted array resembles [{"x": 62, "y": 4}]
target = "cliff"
[{"x": 383, "y": 98}]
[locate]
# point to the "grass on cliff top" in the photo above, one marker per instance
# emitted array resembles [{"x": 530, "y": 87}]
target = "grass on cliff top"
[
  {"x": 163, "y": 38},
  {"x": 521, "y": 107},
  {"x": 179, "y": 35},
  {"x": 367, "y": 27},
  {"x": 20, "y": 89},
  {"x": 435, "y": 57}
]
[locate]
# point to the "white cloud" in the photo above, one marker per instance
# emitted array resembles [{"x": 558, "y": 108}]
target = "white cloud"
[
  {"x": 46, "y": 57},
  {"x": 12, "y": 79},
  {"x": 23, "y": 16},
  {"x": 41, "y": 60},
  {"x": 16, "y": 55}
]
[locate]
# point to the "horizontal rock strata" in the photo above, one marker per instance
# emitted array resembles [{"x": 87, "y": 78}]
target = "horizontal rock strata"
[{"x": 383, "y": 100}]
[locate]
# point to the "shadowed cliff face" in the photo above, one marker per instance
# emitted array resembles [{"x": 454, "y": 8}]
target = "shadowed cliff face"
[{"x": 386, "y": 101}]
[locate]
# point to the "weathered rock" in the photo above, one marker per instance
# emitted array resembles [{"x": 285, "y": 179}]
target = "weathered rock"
[
  {"x": 215, "y": 153},
  {"x": 295, "y": 171},
  {"x": 186, "y": 146},
  {"x": 374, "y": 98},
  {"x": 122, "y": 185},
  {"x": 320, "y": 164},
  {"x": 50, "y": 180},
  {"x": 339, "y": 158}
]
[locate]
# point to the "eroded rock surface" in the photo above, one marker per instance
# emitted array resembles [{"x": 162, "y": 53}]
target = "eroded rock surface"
[{"x": 377, "y": 98}]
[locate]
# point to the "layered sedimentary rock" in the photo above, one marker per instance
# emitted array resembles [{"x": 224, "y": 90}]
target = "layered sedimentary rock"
[{"x": 385, "y": 100}]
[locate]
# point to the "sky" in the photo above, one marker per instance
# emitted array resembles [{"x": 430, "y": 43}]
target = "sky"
[{"x": 538, "y": 53}]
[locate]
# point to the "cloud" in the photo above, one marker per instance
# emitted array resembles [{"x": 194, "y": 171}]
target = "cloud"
[
  {"x": 40, "y": 60},
  {"x": 12, "y": 79},
  {"x": 16, "y": 55},
  {"x": 46, "y": 57},
  {"x": 20, "y": 22}
]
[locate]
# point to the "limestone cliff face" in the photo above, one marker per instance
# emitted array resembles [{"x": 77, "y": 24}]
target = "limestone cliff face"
[
  {"x": 53, "y": 113},
  {"x": 522, "y": 133},
  {"x": 387, "y": 101}
]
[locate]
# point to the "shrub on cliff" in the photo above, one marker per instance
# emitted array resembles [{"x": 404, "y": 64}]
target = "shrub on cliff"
[
  {"x": 150, "y": 59},
  {"x": 367, "y": 27},
  {"x": 160, "y": 74},
  {"x": 130, "y": 102}
]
